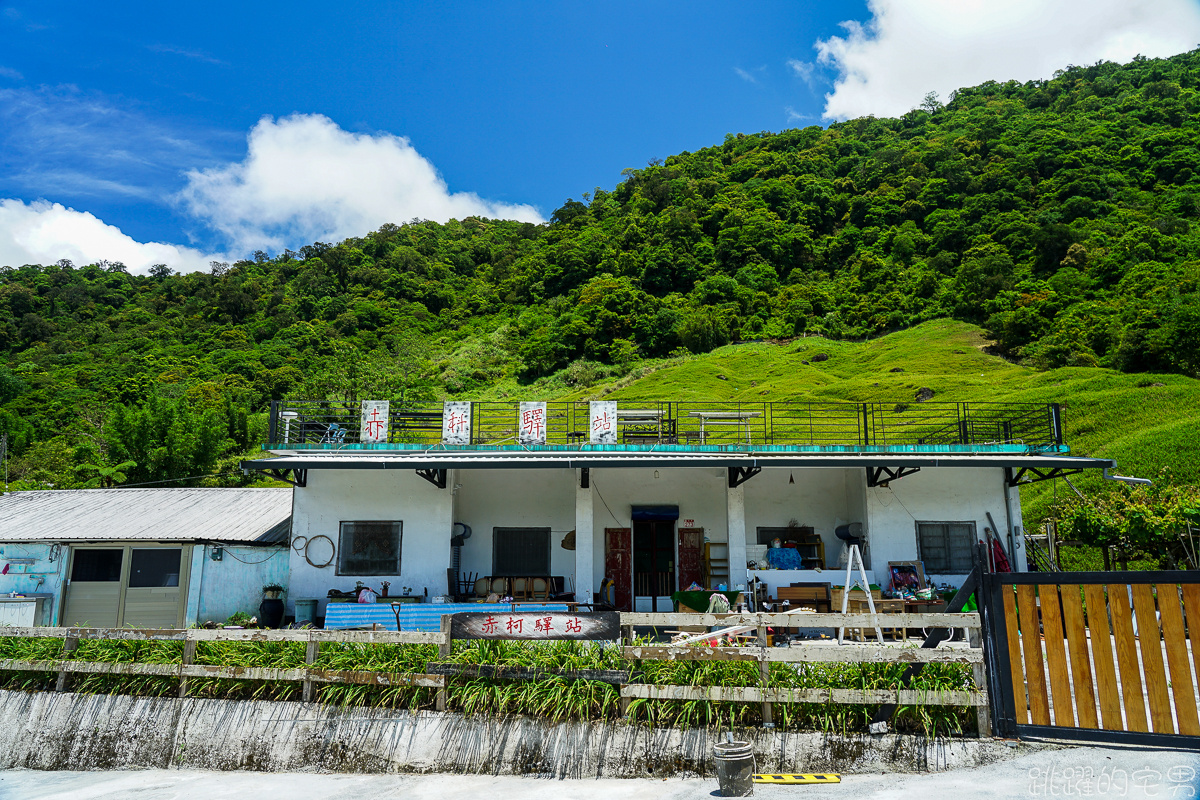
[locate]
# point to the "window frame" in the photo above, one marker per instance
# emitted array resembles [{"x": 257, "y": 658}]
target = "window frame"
[
  {"x": 339, "y": 567},
  {"x": 783, "y": 533},
  {"x": 974, "y": 531},
  {"x": 498, "y": 530}
]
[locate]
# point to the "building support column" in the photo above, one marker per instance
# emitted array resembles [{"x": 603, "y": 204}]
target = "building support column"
[
  {"x": 735, "y": 515},
  {"x": 584, "y": 547},
  {"x": 1016, "y": 536}
]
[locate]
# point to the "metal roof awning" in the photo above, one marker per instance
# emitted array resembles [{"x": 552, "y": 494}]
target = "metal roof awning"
[
  {"x": 235, "y": 515},
  {"x": 460, "y": 459}
]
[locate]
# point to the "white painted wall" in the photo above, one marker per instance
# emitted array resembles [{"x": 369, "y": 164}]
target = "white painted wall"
[
  {"x": 515, "y": 498},
  {"x": 699, "y": 493},
  {"x": 334, "y": 496},
  {"x": 820, "y": 498},
  {"x": 931, "y": 495},
  {"x": 484, "y": 499}
]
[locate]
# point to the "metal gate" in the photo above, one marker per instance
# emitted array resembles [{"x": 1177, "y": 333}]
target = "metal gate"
[{"x": 1086, "y": 655}]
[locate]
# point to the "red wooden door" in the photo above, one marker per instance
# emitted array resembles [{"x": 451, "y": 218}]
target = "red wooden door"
[
  {"x": 691, "y": 556},
  {"x": 618, "y": 564}
]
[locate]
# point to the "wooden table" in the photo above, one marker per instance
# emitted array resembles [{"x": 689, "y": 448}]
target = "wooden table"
[{"x": 738, "y": 418}]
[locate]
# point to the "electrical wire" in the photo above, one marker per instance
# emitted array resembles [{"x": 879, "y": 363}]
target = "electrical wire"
[
  {"x": 225, "y": 549},
  {"x": 901, "y": 502},
  {"x": 177, "y": 480},
  {"x": 602, "y": 500}
]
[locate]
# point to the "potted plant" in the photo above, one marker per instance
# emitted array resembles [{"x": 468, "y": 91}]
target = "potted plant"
[{"x": 270, "y": 611}]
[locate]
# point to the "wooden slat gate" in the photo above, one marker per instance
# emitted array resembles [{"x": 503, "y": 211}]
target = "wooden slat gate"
[{"x": 1101, "y": 656}]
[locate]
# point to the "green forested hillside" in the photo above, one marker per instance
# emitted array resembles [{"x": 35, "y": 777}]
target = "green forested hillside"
[
  {"x": 1145, "y": 422},
  {"x": 1058, "y": 215}
]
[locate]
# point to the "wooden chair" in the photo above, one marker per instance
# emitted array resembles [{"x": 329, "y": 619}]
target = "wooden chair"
[
  {"x": 499, "y": 586},
  {"x": 520, "y": 588},
  {"x": 541, "y": 589},
  {"x": 481, "y": 587}
]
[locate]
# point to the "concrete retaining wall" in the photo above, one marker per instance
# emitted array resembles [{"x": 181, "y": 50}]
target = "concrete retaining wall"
[{"x": 81, "y": 732}]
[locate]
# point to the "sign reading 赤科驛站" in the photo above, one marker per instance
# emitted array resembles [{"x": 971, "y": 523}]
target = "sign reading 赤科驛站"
[
  {"x": 456, "y": 422},
  {"x": 603, "y": 428},
  {"x": 374, "y": 425},
  {"x": 531, "y": 423},
  {"x": 593, "y": 625}
]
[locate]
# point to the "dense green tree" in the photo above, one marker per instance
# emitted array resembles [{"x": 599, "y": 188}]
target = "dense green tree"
[{"x": 1062, "y": 214}]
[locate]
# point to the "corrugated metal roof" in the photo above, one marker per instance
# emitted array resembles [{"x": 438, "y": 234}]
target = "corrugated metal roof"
[{"x": 262, "y": 516}]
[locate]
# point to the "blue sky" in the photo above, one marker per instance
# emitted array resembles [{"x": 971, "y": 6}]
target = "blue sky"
[{"x": 138, "y": 114}]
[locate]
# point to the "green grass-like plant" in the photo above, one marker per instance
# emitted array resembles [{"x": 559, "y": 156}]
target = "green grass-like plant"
[{"x": 551, "y": 697}]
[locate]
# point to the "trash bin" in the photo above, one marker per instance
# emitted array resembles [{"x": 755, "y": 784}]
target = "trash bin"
[
  {"x": 735, "y": 768},
  {"x": 306, "y": 611}
]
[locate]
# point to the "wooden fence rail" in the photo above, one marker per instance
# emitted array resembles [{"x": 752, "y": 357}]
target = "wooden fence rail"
[
  {"x": 128, "y": 668},
  {"x": 309, "y": 677},
  {"x": 755, "y": 694}
]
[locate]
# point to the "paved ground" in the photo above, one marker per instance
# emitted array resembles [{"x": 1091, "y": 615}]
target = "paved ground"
[{"x": 1074, "y": 772}]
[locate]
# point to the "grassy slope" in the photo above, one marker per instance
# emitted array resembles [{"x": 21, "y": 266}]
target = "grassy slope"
[{"x": 1106, "y": 413}]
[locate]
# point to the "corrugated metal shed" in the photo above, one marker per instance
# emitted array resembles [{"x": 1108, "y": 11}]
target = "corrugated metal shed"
[{"x": 260, "y": 516}]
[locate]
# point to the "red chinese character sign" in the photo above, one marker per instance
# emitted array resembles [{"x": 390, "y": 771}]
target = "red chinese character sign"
[
  {"x": 603, "y": 429},
  {"x": 456, "y": 422},
  {"x": 374, "y": 425},
  {"x": 531, "y": 423},
  {"x": 592, "y": 625}
]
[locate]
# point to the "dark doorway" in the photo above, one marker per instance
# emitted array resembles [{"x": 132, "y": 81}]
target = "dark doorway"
[{"x": 654, "y": 560}]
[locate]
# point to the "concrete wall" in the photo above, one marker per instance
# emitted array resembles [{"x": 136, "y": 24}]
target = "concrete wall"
[
  {"x": 823, "y": 498},
  {"x": 42, "y": 577},
  {"x": 334, "y": 496},
  {"x": 514, "y": 498},
  {"x": 932, "y": 495},
  {"x": 235, "y": 582},
  {"x": 820, "y": 498},
  {"x": 66, "y": 731},
  {"x": 699, "y": 493}
]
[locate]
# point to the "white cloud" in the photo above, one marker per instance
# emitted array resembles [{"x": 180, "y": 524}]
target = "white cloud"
[
  {"x": 910, "y": 47},
  {"x": 802, "y": 69},
  {"x": 42, "y": 233},
  {"x": 60, "y": 141},
  {"x": 195, "y": 55},
  {"x": 304, "y": 179}
]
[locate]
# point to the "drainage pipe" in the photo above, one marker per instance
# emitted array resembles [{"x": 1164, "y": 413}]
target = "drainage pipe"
[{"x": 1125, "y": 479}]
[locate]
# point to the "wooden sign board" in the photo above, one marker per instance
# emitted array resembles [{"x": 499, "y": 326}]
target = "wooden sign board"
[{"x": 592, "y": 625}]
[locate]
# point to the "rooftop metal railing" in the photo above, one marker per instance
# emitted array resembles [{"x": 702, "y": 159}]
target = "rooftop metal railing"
[{"x": 1035, "y": 426}]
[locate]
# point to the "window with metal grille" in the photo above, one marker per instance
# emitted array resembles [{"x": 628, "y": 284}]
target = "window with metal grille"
[
  {"x": 946, "y": 548},
  {"x": 520, "y": 551},
  {"x": 369, "y": 548}
]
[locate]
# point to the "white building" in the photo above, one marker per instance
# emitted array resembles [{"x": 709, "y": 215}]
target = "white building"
[{"x": 667, "y": 494}]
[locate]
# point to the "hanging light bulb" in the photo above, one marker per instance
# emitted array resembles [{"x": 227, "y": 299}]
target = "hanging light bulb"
[
  {"x": 656, "y": 474},
  {"x": 790, "y": 478}
]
